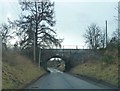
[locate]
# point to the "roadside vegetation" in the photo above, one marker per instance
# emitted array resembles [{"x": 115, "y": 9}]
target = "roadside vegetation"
[
  {"x": 107, "y": 73},
  {"x": 105, "y": 65},
  {"x": 104, "y": 68},
  {"x": 18, "y": 71}
]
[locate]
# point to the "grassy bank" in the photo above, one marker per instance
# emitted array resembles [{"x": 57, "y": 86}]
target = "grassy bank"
[
  {"x": 18, "y": 70},
  {"x": 98, "y": 70}
]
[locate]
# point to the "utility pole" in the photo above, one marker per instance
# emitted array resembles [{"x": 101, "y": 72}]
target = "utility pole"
[
  {"x": 106, "y": 33},
  {"x": 39, "y": 56},
  {"x": 63, "y": 51},
  {"x": 76, "y": 47},
  {"x": 34, "y": 50},
  {"x": 36, "y": 20}
]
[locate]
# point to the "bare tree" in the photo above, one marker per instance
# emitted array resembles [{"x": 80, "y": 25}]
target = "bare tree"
[
  {"x": 93, "y": 36},
  {"x": 103, "y": 40},
  {"x": 116, "y": 33},
  {"x": 6, "y": 33}
]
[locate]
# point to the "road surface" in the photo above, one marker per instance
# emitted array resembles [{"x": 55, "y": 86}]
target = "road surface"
[{"x": 59, "y": 80}]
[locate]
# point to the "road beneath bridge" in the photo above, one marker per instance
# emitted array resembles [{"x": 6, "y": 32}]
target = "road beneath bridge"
[{"x": 59, "y": 80}]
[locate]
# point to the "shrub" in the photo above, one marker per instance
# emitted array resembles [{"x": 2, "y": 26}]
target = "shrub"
[{"x": 108, "y": 59}]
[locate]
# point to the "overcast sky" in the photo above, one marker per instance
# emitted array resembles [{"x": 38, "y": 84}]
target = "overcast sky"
[{"x": 72, "y": 18}]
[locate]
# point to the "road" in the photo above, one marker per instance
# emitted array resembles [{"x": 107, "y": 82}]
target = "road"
[{"x": 59, "y": 80}]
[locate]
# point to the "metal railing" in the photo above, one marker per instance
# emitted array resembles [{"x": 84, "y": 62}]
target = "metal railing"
[{"x": 71, "y": 47}]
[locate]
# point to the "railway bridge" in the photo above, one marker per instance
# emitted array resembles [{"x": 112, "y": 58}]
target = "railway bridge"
[{"x": 71, "y": 56}]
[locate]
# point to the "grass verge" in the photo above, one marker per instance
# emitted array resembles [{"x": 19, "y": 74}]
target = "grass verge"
[
  {"x": 18, "y": 70},
  {"x": 107, "y": 73}
]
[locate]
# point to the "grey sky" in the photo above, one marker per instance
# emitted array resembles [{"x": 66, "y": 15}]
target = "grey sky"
[{"x": 72, "y": 18}]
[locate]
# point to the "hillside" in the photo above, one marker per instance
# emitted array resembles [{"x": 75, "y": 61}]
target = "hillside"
[
  {"x": 18, "y": 70},
  {"x": 104, "y": 68},
  {"x": 95, "y": 70}
]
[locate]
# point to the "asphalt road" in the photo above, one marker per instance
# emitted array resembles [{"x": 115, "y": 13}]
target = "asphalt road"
[{"x": 59, "y": 80}]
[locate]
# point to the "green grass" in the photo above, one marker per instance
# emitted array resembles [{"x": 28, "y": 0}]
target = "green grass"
[
  {"x": 107, "y": 73},
  {"x": 17, "y": 71}
]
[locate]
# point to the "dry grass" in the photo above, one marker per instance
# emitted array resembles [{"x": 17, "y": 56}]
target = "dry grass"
[
  {"x": 18, "y": 70},
  {"x": 108, "y": 73}
]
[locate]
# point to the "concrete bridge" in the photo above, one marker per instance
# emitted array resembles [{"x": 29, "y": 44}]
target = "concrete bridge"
[{"x": 71, "y": 56}]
